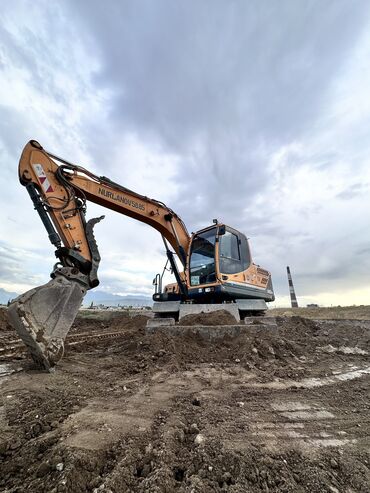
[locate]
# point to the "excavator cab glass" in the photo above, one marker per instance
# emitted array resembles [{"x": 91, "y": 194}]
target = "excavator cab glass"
[
  {"x": 202, "y": 258},
  {"x": 234, "y": 252}
]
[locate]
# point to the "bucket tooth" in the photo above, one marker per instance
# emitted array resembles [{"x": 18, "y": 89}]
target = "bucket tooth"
[{"x": 43, "y": 316}]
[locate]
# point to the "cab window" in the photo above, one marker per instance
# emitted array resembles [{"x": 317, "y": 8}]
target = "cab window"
[
  {"x": 230, "y": 246},
  {"x": 202, "y": 258},
  {"x": 234, "y": 253}
]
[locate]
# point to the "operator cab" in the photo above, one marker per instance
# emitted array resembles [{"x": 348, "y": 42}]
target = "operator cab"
[
  {"x": 215, "y": 252},
  {"x": 219, "y": 269}
]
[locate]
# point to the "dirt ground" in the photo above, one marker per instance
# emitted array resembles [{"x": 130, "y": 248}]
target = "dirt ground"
[
  {"x": 279, "y": 410},
  {"x": 338, "y": 312}
]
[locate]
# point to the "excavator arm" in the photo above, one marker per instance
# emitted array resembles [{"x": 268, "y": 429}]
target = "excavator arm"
[
  {"x": 64, "y": 190},
  {"x": 59, "y": 191}
]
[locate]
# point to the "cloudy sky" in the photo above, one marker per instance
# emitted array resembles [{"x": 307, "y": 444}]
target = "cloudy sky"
[{"x": 254, "y": 112}]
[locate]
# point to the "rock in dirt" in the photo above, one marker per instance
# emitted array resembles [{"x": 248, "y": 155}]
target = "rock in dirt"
[
  {"x": 199, "y": 439},
  {"x": 196, "y": 401}
]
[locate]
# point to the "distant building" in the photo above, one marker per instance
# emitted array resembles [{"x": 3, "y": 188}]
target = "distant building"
[{"x": 312, "y": 305}]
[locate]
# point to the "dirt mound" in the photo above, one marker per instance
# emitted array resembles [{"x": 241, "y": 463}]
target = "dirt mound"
[
  {"x": 219, "y": 317},
  {"x": 135, "y": 322},
  {"x": 118, "y": 320}
]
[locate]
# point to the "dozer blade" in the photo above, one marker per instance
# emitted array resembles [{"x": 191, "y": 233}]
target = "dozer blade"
[{"x": 43, "y": 316}]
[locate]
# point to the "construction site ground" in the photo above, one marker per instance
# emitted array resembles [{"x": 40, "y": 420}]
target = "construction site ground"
[{"x": 279, "y": 410}]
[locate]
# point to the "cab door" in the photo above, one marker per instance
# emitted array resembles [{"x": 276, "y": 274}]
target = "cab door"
[{"x": 234, "y": 255}]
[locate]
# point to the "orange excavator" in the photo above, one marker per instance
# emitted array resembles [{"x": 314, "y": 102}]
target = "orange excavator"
[{"x": 217, "y": 268}]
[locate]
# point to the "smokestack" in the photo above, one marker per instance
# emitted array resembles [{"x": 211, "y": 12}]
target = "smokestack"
[{"x": 293, "y": 297}]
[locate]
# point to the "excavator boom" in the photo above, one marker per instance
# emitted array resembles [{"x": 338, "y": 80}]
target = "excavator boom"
[
  {"x": 64, "y": 190},
  {"x": 44, "y": 315}
]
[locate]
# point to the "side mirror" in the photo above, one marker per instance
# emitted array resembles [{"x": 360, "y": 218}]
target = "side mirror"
[{"x": 221, "y": 230}]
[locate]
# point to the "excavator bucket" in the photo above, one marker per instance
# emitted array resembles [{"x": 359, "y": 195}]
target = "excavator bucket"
[{"x": 43, "y": 316}]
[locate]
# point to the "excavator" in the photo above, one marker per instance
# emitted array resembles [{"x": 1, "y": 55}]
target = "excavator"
[{"x": 217, "y": 267}]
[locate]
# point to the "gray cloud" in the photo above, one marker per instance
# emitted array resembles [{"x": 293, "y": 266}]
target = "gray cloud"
[
  {"x": 243, "y": 96},
  {"x": 223, "y": 85},
  {"x": 353, "y": 191},
  {"x": 22, "y": 266}
]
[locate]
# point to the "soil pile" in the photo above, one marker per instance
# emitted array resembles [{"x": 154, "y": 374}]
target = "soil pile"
[
  {"x": 219, "y": 317},
  {"x": 118, "y": 321}
]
